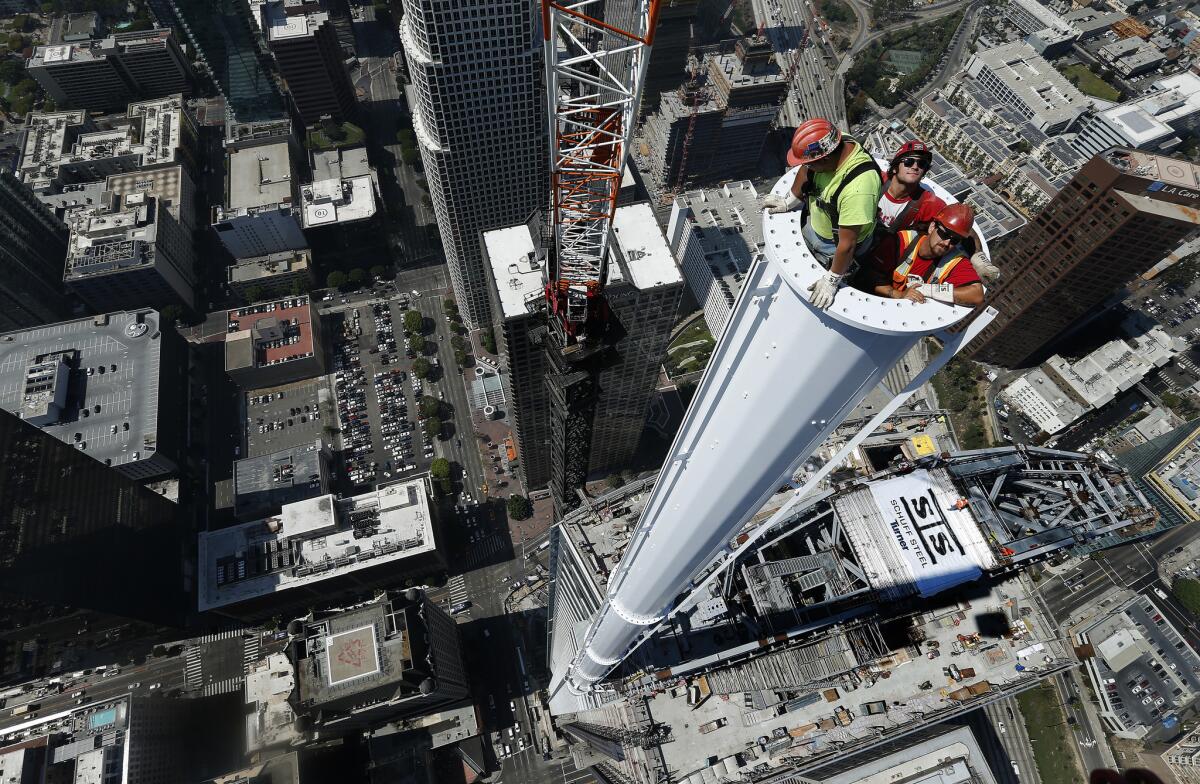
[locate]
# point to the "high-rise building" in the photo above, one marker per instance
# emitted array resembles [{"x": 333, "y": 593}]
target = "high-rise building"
[
  {"x": 667, "y": 65},
  {"x": 577, "y": 413},
  {"x": 78, "y": 533},
  {"x": 481, "y": 126},
  {"x": 393, "y": 658},
  {"x": 715, "y": 127},
  {"x": 31, "y": 259},
  {"x": 302, "y": 37},
  {"x": 106, "y": 74},
  {"x": 113, "y": 387},
  {"x": 1121, "y": 214},
  {"x": 130, "y": 251},
  {"x": 225, "y": 38}
]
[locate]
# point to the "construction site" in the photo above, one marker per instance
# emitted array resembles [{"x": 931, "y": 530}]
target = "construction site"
[{"x": 871, "y": 610}]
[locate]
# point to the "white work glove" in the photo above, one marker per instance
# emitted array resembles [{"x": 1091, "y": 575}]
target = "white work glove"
[
  {"x": 825, "y": 289},
  {"x": 988, "y": 272},
  {"x": 942, "y": 292},
  {"x": 785, "y": 203}
]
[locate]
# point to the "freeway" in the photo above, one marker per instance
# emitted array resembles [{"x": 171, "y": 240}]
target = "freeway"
[
  {"x": 815, "y": 91},
  {"x": 929, "y": 14},
  {"x": 1011, "y": 744}
]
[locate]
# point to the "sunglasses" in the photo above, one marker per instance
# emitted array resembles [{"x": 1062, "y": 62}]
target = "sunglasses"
[
  {"x": 946, "y": 234},
  {"x": 915, "y": 163}
]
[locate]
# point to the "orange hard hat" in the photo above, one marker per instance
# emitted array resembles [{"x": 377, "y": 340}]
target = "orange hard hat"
[
  {"x": 813, "y": 140},
  {"x": 958, "y": 218}
]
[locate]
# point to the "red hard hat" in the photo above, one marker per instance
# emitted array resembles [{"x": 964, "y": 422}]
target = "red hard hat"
[
  {"x": 915, "y": 147},
  {"x": 813, "y": 140},
  {"x": 958, "y": 218}
]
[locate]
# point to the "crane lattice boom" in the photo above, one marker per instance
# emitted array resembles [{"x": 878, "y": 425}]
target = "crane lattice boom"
[{"x": 595, "y": 72}]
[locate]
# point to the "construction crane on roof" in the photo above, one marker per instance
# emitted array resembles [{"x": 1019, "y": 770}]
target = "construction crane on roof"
[{"x": 595, "y": 71}]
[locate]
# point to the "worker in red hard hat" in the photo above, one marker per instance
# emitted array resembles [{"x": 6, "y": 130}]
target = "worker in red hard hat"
[
  {"x": 840, "y": 185},
  {"x": 914, "y": 265},
  {"x": 907, "y": 204}
]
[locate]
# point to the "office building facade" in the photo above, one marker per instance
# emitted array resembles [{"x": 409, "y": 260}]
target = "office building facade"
[
  {"x": 31, "y": 259},
  {"x": 80, "y": 534},
  {"x": 480, "y": 122},
  {"x": 107, "y": 74},
  {"x": 1121, "y": 214}
]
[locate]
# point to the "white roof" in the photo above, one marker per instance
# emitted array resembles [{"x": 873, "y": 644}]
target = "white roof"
[
  {"x": 649, "y": 258},
  {"x": 509, "y": 252}
]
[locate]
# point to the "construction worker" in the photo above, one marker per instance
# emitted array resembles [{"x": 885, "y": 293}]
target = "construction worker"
[
  {"x": 905, "y": 204},
  {"x": 910, "y": 264},
  {"x": 840, "y": 184}
]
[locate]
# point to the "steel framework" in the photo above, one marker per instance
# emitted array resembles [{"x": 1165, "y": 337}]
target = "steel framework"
[{"x": 595, "y": 72}]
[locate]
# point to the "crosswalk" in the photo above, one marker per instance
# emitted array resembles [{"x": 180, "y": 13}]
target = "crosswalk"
[
  {"x": 250, "y": 652},
  {"x": 457, "y": 588},
  {"x": 225, "y": 634},
  {"x": 483, "y": 551},
  {"x": 193, "y": 673},
  {"x": 223, "y": 686}
]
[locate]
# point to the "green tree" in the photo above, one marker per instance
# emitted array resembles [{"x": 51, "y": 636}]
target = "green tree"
[
  {"x": 430, "y": 406},
  {"x": 615, "y": 480},
  {"x": 440, "y": 468},
  {"x": 1188, "y": 593},
  {"x": 460, "y": 357},
  {"x": 409, "y": 154},
  {"x": 421, "y": 367},
  {"x": 416, "y": 344},
  {"x": 519, "y": 507},
  {"x": 333, "y": 131},
  {"x": 358, "y": 276},
  {"x": 413, "y": 321},
  {"x": 489, "y": 340},
  {"x": 171, "y": 313},
  {"x": 406, "y": 138},
  {"x": 255, "y": 294},
  {"x": 11, "y": 71},
  {"x": 301, "y": 286},
  {"x": 450, "y": 306},
  {"x": 335, "y": 279},
  {"x": 457, "y": 343},
  {"x": 378, "y": 271},
  {"x": 433, "y": 427}
]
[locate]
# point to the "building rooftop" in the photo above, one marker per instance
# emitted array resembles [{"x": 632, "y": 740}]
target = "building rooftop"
[
  {"x": 112, "y": 237},
  {"x": 66, "y": 147},
  {"x": 1137, "y": 647},
  {"x": 1035, "y": 82},
  {"x": 517, "y": 271},
  {"x": 342, "y": 190},
  {"x": 313, "y": 539},
  {"x": 270, "y": 719},
  {"x": 264, "y": 484},
  {"x": 259, "y": 177},
  {"x": 92, "y": 383},
  {"x": 270, "y": 333},
  {"x": 644, "y": 247},
  {"x": 262, "y": 268},
  {"x": 288, "y": 19},
  {"x": 1177, "y": 477},
  {"x": 1149, "y": 118}
]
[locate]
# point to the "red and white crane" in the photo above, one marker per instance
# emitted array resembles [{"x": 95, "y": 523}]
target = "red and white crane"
[{"x": 595, "y": 71}]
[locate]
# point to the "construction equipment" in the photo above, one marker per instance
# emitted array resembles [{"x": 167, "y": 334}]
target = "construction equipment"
[{"x": 595, "y": 73}]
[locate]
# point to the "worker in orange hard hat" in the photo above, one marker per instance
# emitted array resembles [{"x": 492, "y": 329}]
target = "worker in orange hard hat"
[
  {"x": 928, "y": 265},
  {"x": 908, "y": 204},
  {"x": 840, "y": 184}
]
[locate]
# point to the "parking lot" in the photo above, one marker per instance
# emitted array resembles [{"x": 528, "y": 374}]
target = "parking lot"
[
  {"x": 375, "y": 394},
  {"x": 283, "y": 417}
]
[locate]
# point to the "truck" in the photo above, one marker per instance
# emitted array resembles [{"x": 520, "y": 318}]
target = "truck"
[
  {"x": 21, "y": 710},
  {"x": 715, "y": 724},
  {"x": 1160, "y": 593}
]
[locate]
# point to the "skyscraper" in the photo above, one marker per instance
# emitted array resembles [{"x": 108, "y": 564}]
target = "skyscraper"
[
  {"x": 1121, "y": 214},
  {"x": 76, "y": 532},
  {"x": 302, "y": 38},
  {"x": 577, "y": 413},
  {"x": 481, "y": 126},
  {"x": 226, "y": 41},
  {"x": 31, "y": 259}
]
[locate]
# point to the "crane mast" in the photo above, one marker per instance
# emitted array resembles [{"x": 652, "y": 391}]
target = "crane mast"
[{"x": 595, "y": 70}]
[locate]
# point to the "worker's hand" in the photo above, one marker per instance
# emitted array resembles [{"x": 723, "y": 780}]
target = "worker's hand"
[
  {"x": 988, "y": 272},
  {"x": 911, "y": 293},
  {"x": 939, "y": 292},
  {"x": 784, "y": 203},
  {"x": 825, "y": 289}
]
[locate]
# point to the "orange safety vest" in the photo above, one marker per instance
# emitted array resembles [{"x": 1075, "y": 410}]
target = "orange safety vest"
[{"x": 907, "y": 242}]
